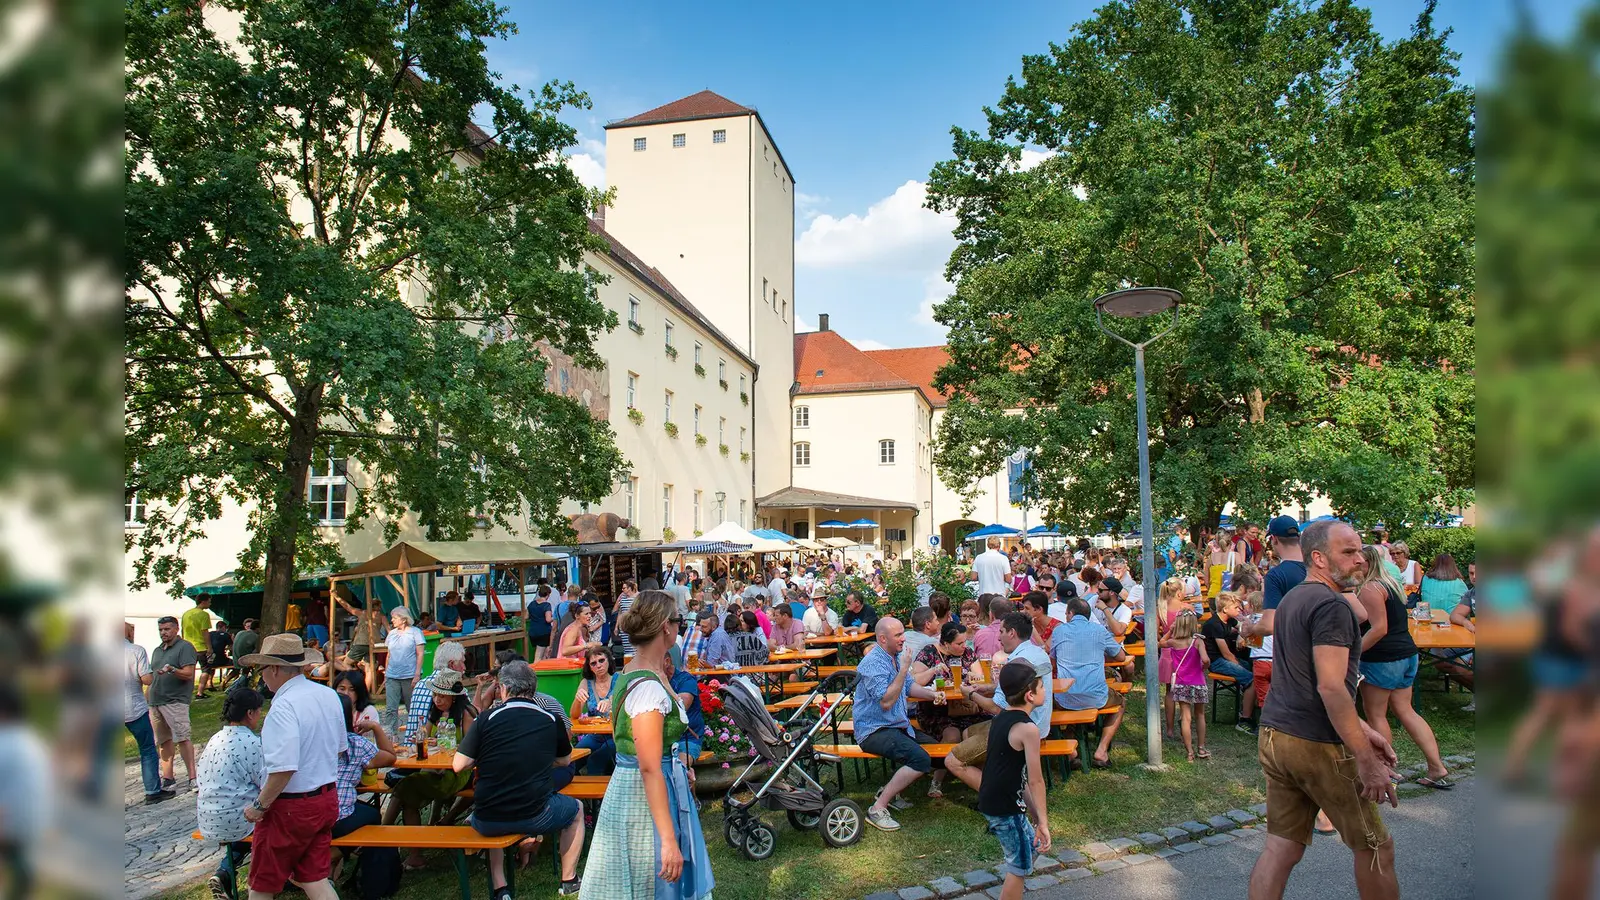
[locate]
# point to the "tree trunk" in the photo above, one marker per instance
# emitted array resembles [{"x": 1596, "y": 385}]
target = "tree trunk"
[{"x": 284, "y": 523}]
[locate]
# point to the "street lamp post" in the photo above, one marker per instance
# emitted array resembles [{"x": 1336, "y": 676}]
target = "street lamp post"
[{"x": 1138, "y": 303}]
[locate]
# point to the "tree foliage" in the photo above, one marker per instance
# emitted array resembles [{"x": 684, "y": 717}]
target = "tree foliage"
[
  {"x": 1307, "y": 186},
  {"x": 325, "y": 256}
]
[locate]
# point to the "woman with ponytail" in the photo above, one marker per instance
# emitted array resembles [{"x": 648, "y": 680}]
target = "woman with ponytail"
[{"x": 232, "y": 773}]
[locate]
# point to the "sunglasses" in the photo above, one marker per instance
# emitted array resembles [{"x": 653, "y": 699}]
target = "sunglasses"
[{"x": 676, "y": 620}]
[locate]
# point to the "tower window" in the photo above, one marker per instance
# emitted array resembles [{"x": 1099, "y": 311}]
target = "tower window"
[
  {"x": 802, "y": 453},
  {"x": 638, "y": 145},
  {"x": 719, "y": 136},
  {"x": 679, "y": 140},
  {"x": 886, "y": 453},
  {"x": 802, "y": 417}
]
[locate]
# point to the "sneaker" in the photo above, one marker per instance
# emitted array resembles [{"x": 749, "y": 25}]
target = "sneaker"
[
  {"x": 1246, "y": 726},
  {"x": 897, "y": 802},
  {"x": 159, "y": 797},
  {"x": 1470, "y": 707},
  {"x": 570, "y": 888},
  {"x": 219, "y": 888},
  {"x": 169, "y": 785},
  {"x": 881, "y": 820}
]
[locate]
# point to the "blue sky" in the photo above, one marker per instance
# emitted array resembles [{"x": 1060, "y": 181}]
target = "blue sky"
[{"x": 861, "y": 98}]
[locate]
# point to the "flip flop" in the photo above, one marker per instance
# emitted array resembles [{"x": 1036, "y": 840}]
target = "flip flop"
[
  {"x": 1202, "y": 754},
  {"x": 1098, "y": 764},
  {"x": 1438, "y": 784},
  {"x": 1328, "y": 831}
]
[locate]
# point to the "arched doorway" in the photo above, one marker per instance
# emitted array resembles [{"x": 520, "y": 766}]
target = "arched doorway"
[{"x": 951, "y": 533}]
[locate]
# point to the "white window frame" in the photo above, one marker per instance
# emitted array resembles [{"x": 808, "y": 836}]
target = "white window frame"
[
  {"x": 722, "y": 430},
  {"x": 680, "y": 140},
  {"x": 633, "y": 389},
  {"x": 741, "y": 513},
  {"x": 764, "y": 293},
  {"x": 697, "y": 525},
  {"x": 668, "y": 407},
  {"x": 741, "y": 439},
  {"x": 741, "y": 384},
  {"x": 722, "y": 370},
  {"x": 784, "y": 312},
  {"x": 666, "y": 506},
  {"x": 666, "y": 325},
  {"x": 697, "y": 419},
  {"x": 631, "y": 494},
  {"x": 886, "y": 453},
  {"x": 697, "y": 348},
  {"x": 719, "y": 136},
  {"x": 802, "y": 454},
  {"x": 802, "y": 417},
  {"x": 633, "y": 310},
  {"x": 133, "y": 510},
  {"x": 336, "y": 476},
  {"x": 639, "y": 145}
]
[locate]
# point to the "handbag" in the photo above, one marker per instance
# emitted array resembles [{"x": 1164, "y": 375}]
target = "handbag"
[{"x": 1178, "y": 663}]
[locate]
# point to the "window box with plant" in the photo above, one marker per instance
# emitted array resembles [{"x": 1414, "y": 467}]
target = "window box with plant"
[
  {"x": 637, "y": 328},
  {"x": 723, "y": 449},
  {"x": 635, "y": 416},
  {"x": 667, "y": 534},
  {"x": 744, "y": 456},
  {"x": 699, "y": 440},
  {"x": 723, "y": 382},
  {"x": 672, "y": 352},
  {"x": 700, "y": 370},
  {"x": 744, "y": 398},
  {"x": 671, "y": 428},
  {"x": 632, "y": 531}
]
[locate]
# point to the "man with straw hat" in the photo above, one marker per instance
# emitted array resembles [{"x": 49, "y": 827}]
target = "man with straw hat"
[{"x": 300, "y": 740}]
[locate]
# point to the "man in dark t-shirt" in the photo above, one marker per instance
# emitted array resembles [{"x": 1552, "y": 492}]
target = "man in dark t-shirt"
[
  {"x": 858, "y": 614},
  {"x": 1315, "y": 750},
  {"x": 514, "y": 746}
]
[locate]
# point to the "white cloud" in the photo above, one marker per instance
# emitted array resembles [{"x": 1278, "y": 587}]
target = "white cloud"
[
  {"x": 868, "y": 344},
  {"x": 807, "y": 206},
  {"x": 590, "y": 164},
  {"x": 801, "y": 323},
  {"x": 1031, "y": 158},
  {"x": 896, "y": 231},
  {"x": 935, "y": 290}
]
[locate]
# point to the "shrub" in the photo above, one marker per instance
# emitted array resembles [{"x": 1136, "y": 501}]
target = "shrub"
[
  {"x": 1426, "y": 543},
  {"x": 672, "y": 352},
  {"x": 744, "y": 456},
  {"x": 744, "y": 398},
  {"x": 668, "y": 535},
  {"x": 637, "y": 328}
]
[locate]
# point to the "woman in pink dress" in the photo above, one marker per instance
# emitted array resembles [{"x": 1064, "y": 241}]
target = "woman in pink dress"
[{"x": 1169, "y": 603}]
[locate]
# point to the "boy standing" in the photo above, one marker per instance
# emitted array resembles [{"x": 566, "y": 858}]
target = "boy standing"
[{"x": 1013, "y": 782}]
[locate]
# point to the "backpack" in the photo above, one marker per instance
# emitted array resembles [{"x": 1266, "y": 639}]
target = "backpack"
[{"x": 378, "y": 873}]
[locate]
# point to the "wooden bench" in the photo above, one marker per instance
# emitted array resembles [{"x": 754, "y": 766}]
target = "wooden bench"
[
  {"x": 1061, "y": 748},
  {"x": 1225, "y": 683},
  {"x": 790, "y": 688},
  {"x": 825, "y": 671}
]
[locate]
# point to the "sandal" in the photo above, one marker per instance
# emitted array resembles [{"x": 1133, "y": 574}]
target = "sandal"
[
  {"x": 1441, "y": 783},
  {"x": 935, "y": 792},
  {"x": 1203, "y": 753},
  {"x": 1100, "y": 764}
]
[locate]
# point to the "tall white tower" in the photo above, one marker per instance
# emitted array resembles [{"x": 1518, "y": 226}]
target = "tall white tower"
[{"x": 704, "y": 196}]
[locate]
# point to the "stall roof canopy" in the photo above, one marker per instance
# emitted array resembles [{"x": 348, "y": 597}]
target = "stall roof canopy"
[
  {"x": 228, "y": 583},
  {"x": 802, "y": 498},
  {"x": 733, "y": 534},
  {"x": 428, "y": 554},
  {"x": 604, "y": 547}
]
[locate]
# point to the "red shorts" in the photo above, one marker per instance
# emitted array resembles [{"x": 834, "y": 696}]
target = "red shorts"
[
  {"x": 1262, "y": 670},
  {"x": 292, "y": 841}
]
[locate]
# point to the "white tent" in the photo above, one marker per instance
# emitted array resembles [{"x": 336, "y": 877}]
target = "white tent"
[{"x": 733, "y": 534}]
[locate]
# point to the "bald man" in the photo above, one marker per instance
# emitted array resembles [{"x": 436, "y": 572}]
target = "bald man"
[{"x": 883, "y": 728}]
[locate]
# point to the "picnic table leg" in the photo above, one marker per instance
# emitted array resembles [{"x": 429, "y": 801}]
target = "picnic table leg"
[
  {"x": 459, "y": 858},
  {"x": 1083, "y": 748}
]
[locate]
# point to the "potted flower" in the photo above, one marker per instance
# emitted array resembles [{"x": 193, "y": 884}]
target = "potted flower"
[
  {"x": 699, "y": 440},
  {"x": 731, "y": 750},
  {"x": 744, "y": 398},
  {"x": 700, "y": 370},
  {"x": 672, "y": 352},
  {"x": 635, "y": 416},
  {"x": 744, "y": 456},
  {"x": 723, "y": 449},
  {"x": 632, "y": 532},
  {"x": 671, "y": 429},
  {"x": 668, "y": 535},
  {"x": 723, "y": 382},
  {"x": 637, "y": 328}
]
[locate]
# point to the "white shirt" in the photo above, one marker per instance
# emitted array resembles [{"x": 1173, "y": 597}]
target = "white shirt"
[
  {"x": 134, "y": 705},
  {"x": 1057, "y": 611},
  {"x": 27, "y": 804},
  {"x": 916, "y": 640},
  {"x": 1408, "y": 575},
  {"x": 649, "y": 696},
  {"x": 1083, "y": 589},
  {"x": 994, "y": 573},
  {"x": 1191, "y": 586},
  {"x": 1135, "y": 594},
  {"x": 303, "y": 734},
  {"x": 1123, "y": 615},
  {"x": 232, "y": 772},
  {"x": 813, "y": 622}
]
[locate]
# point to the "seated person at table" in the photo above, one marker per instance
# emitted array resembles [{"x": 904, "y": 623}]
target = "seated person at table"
[
  {"x": 882, "y": 726},
  {"x": 946, "y": 722},
  {"x": 560, "y": 776},
  {"x": 594, "y": 699},
  {"x": 367, "y": 748},
  {"x": 232, "y": 771},
  {"x": 924, "y": 631},
  {"x": 966, "y": 761},
  {"x": 450, "y": 613},
  {"x": 820, "y": 619},
  {"x": 447, "y": 702},
  {"x": 718, "y": 647},
  {"x": 687, "y": 687},
  {"x": 749, "y": 643},
  {"x": 969, "y": 616},
  {"x": 1221, "y": 634},
  {"x": 1458, "y": 664},
  {"x": 1037, "y": 606},
  {"x": 986, "y": 643},
  {"x": 788, "y": 633},
  {"x": 859, "y": 616},
  {"x": 514, "y": 746},
  {"x": 1081, "y": 648}
]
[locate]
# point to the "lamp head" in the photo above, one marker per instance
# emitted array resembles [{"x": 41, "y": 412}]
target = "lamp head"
[{"x": 1139, "y": 302}]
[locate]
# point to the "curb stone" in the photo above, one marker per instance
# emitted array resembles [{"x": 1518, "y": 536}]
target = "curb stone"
[
  {"x": 1174, "y": 834},
  {"x": 1075, "y": 874},
  {"x": 979, "y": 878},
  {"x": 1071, "y": 858},
  {"x": 1241, "y": 816},
  {"x": 1259, "y": 809},
  {"x": 1137, "y": 858},
  {"x": 947, "y": 887},
  {"x": 1194, "y": 827},
  {"x": 1038, "y": 882},
  {"x": 1122, "y": 844},
  {"x": 1150, "y": 839},
  {"x": 1221, "y": 823},
  {"x": 1044, "y": 864},
  {"x": 1108, "y": 865},
  {"x": 916, "y": 893},
  {"x": 1217, "y": 840},
  {"x": 1099, "y": 850},
  {"x": 1167, "y": 852}
]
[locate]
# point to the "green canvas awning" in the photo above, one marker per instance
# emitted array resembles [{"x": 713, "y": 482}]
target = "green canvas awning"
[{"x": 227, "y": 583}]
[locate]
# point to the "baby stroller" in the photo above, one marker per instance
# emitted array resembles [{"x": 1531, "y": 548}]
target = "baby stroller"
[{"x": 790, "y": 750}]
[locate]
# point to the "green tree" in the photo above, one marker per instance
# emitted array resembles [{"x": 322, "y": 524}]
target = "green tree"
[
  {"x": 326, "y": 259},
  {"x": 1309, "y": 189}
]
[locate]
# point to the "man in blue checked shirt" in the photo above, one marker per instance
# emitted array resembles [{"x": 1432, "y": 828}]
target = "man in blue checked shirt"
[
  {"x": 718, "y": 647},
  {"x": 883, "y": 683}
]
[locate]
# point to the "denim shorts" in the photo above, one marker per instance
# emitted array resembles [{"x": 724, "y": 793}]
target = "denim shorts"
[
  {"x": 559, "y": 811},
  {"x": 1391, "y": 676},
  {"x": 1016, "y": 841},
  {"x": 1557, "y": 673},
  {"x": 1233, "y": 670},
  {"x": 691, "y": 746},
  {"x": 897, "y": 747}
]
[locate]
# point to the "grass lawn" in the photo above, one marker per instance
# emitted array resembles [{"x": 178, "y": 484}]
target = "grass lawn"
[
  {"x": 946, "y": 837},
  {"x": 205, "y": 719}
]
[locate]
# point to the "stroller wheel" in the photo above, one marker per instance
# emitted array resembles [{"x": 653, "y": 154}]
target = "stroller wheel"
[
  {"x": 733, "y": 833},
  {"x": 803, "y": 821},
  {"x": 759, "y": 841},
  {"x": 841, "y": 822}
]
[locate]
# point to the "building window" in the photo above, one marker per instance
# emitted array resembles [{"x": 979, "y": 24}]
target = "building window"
[
  {"x": 697, "y": 525},
  {"x": 697, "y": 349},
  {"x": 668, "y": 407},
  {"x": 719, "y": 136},
  {"x": 630, "y": 492},
  {"x": 697, "y": 419},
  {"x": 667, "y": 326},
  {"x": 741, "y": 513},
  {"x": 741, "y": 440},
  {"x": 133, "y": 510},
  {"x": 722, "y": 429},
  {"x": 802, "y": 453},
  {"x": 886, "y": 453},
  {"x": 802, "y": 417},
  {"x": 722, "y": 372},
  {"x": 679, "y": 140},
  {"x": 764, "y": 292},
  {"x": 774, "y": 298},
  {"x": 633, "y": 311},
  {"x": 329, "y": 488},
  {"x": 633, "y": 386},
  {"x": 741, "y": 384},
  {"x": 785, "y": 311},
  {"x": 666, "y": 506},
  {"x": 638, "y": 144}
]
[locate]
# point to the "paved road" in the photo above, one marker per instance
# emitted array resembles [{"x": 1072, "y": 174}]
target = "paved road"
[
  {"x": 159, "y": 854},
  {"x": 1433, "y": 840}
]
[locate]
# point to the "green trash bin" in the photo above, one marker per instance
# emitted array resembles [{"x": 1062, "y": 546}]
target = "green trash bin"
[
  {"x": 560, "y": 679},
  {"x": 430, "y": 643}
]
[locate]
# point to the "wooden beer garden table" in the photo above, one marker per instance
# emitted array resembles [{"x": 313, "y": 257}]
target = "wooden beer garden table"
[
  {"x": 769, "y": 677},
  {"x": 591, "y": 725},
  {"x": 852, "y": 642},
  {"x": 807, "y": 659},
  {"x": 444, "y": 760}
]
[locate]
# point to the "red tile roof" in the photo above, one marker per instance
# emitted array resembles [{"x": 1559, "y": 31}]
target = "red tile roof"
[
  {"x": 825, "y": 363},
  {"x": 704, "y": 105},
  {"x": 916, "y": 365}
]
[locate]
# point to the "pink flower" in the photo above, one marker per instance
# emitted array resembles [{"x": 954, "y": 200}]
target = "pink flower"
[
  {"x": 724, "y": 735},
  {"x": 725, "y": 765}
]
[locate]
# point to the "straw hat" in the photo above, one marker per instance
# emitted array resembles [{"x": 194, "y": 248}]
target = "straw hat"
[
  {"x": 282, "y": 650},
  {"x": 448, "y": 684}
]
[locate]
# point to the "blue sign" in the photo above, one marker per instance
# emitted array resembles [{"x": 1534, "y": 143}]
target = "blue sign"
[
  {"x": 1017, "y": 464},
  {"x": 933, "y": 540}
]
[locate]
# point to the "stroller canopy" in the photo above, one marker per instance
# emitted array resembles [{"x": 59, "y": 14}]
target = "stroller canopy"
[{"x": 742, "y": 699}]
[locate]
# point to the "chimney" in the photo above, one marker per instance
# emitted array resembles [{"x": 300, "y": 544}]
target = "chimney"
[
  {"x": 822, "y": 322},
  {"x": 600, "y": 215}
]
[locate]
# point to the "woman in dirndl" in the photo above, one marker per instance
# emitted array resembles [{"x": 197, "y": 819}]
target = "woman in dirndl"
[{"x": 647, "y": 842}]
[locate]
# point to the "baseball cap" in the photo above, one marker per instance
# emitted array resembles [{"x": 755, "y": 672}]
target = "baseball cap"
[
  {"x": 1283, "y": 526},
  {"x": 1113, "y": 585}
]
